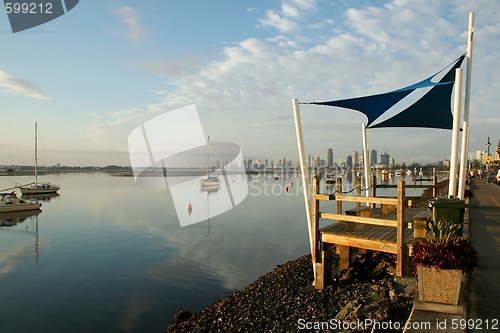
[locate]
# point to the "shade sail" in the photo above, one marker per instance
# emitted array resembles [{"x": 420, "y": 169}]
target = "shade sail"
[{"x": 430, "y": 109}]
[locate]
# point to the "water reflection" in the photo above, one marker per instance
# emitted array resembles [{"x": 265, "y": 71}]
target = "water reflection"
[
  {"x": 11, "y": 222},
  {"x": 41, "y": 197},
  {"x": 11, "y": 219}
]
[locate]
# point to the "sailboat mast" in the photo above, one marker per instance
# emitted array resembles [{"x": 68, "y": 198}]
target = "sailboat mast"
[
  {"x": 36, "y": 152},
  {"x": 208, "y": 154}
]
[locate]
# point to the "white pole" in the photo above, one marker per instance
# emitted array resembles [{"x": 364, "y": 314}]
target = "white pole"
[
  {"x": 36, "y": 153},
  {"x": 463, "y": 166},
  {"x": 456, "y": 133},
  {"x": 465, "y": 136},
  {"x": 365, "y": 160},
  {"x": 303, "y": 171}
]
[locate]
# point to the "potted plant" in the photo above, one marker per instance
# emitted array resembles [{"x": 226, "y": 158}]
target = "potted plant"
[{"x": 442, "y": 260}]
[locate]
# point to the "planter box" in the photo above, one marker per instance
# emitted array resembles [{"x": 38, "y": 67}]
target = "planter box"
[{"x": 439, "y": 285}]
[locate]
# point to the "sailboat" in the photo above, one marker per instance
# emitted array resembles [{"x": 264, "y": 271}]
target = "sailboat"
[
  {"x": 209, "y": 180},
  {"x": 36, "y": 187}
]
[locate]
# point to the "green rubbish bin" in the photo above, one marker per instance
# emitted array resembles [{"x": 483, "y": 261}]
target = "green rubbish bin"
[{"x": 451, "y": 209}]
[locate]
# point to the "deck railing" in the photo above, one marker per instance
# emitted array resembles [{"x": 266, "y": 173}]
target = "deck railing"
[{"x": 321, "y": 240}]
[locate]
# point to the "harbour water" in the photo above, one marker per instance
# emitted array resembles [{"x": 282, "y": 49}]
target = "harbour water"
[{"x": 107, "y": 255}]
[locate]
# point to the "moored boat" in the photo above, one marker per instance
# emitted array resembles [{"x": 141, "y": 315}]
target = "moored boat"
[
  {"x": 36, "y": 187},
  {"x": 9, "y": 202}
]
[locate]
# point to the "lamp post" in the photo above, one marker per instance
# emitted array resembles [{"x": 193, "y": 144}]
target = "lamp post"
[
  {"x": 488, "y": 163},
  {"x": 488, "y": 144}
]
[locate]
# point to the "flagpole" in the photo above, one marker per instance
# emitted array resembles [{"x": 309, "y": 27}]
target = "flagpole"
[
  {"x": 465, "y": 136},
  {"x": 452, "y": 188},
  {"x": 365, "y": 160},
  {"x": 304, "y": 172}
]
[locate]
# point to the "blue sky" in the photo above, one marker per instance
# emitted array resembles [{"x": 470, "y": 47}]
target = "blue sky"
[{"x": 94, "y": 74}]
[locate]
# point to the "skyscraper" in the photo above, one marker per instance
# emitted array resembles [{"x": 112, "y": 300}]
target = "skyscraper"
[
  {"x": 348, "y": 161},
  {"x": 373, "y": 157},
  {"x": 355, "y": 159},
  {"x": 384, "y": 159},
  {"x": 329, "y": 158}
]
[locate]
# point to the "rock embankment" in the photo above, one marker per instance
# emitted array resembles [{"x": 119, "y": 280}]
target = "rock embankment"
[{"x": 285, "y": 301}]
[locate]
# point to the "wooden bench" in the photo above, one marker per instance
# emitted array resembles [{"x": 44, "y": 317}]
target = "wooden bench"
[
  {"x": 363, "y": 211},
  {"x": 379, "y": 229}
]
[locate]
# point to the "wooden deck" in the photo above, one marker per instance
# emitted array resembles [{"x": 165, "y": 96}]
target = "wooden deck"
[
  {"x": 390, "y": 228},
  {"x": 370, "y": 236}
]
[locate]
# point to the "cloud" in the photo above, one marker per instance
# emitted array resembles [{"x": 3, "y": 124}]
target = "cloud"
[
  {"x": 372, "y": 50},
  {"x": 290, "y": 17},
  {"x": 171, "y": 68},
  {"x": 22, "y": 87},
  {"x": 130, "y": 18}
]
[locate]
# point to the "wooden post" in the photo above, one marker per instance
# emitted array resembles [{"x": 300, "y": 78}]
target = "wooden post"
[
  {"x": 324, "y": 268},
  {"x": 434, "y": 182},
  {"x": 358, "y": 189},
  {"x": 374, "y": 188},
  {"x": 315, "y": 224},
  {"x": 344, "y": 253},
  {"x": 321, "y": 253},
  {"x": 401, "y": 251},
  {"x": 339, "y": 192}
]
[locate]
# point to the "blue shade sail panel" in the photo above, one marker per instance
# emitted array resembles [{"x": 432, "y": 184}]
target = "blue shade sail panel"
[{"x": 431, "y": 110}]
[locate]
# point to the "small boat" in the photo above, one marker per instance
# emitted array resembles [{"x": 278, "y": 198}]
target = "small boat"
[
  {"x": 9, "y": 202},
  {"x": 408, "y": 172},
  {"x": 36, "y": 187},
  {"x": 330, "y": 179},
  {"x": 399, "y": 172}
]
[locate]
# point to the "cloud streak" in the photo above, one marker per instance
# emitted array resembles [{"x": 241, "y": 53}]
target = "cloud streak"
[
  {"x": 13, "y": 85},
  {"x": 130, "y": 17}
]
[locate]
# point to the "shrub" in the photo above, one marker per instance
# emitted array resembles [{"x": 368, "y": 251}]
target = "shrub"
[{"x": 454, "y": 253}]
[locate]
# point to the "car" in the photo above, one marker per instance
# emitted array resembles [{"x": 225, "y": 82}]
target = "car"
[{"x": 497, "y": 178}]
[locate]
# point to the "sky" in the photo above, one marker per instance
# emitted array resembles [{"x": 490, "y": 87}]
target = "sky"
[{"x": 93, "y": 75}]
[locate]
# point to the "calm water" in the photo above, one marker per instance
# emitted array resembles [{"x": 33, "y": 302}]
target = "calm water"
[{"x": 110, "y": 256}]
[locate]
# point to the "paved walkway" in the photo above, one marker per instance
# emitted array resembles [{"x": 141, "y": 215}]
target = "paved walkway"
[
  {"x": 483, "y": 302},
  {"x": 484, "y": 286}
]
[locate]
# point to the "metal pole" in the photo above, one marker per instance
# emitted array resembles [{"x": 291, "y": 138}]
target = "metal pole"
[
  {"x": 456, "y": 133},
  {"x": 465, "y": 135},
  {"x": 304, "y": 172},
  {"x": 463, "y": 166},
  {"x": 365, "y": 160}
]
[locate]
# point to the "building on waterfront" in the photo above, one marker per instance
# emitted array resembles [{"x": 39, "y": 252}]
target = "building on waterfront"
[
  {"x": 384, "y": 159},
  {"x": 481, "y": 156},
  {"x": 329, "y": 158},
  {"x": 355, "y": 160},
  {"x": 392, "y": 163},
  {"x": 373, "y": 157},
  {"x": 348, "y": 161}
]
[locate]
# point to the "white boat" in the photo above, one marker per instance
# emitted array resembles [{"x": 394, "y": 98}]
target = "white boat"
[
  {"x": 9, "y": 202},
  {"x": 209, "y": 180},
  {"x": 330, "y": 179},
  {"x": 36, "y": 187}
]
